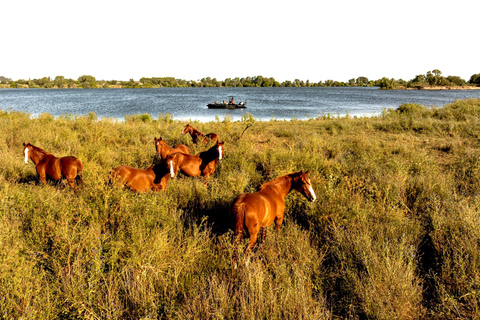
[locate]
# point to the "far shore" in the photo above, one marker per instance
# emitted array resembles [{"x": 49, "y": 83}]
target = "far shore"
[
  {"x": 432, "y": 88},
  {"x": 440, "y": 88}
]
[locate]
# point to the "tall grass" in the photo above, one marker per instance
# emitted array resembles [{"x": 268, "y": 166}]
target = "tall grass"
[{"x": 393, "y": 234}]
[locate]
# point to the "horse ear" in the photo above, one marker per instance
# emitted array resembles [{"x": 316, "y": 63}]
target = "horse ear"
[
  {"x": 24, "y": 144},
  {"x": 307, "y": 171}
]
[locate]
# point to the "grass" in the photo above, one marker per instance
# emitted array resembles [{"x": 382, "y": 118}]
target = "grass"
[{"x": 393, "y": 234}]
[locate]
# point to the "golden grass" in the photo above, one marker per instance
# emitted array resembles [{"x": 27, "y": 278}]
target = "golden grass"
[{"x": 393, "y": 234}]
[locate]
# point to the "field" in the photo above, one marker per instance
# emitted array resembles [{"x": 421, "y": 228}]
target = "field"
[{"x": 394, "y": 233}]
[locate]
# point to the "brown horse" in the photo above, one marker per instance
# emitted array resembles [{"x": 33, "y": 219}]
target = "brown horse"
[
  {"x": 155, "y": 177},
  {"x": 164, "y": 149},
  {"x": 203, "y": 164},
  {"x": 55, "y": 168},
  {"x": 260, "y": 209},
  {"x": 198, "y": 136}
]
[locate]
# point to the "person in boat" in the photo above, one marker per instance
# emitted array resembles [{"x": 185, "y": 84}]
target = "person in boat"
[
  {"x": 241, "y": 103},
  {"x": 232, "y": 101},
  {"x": 223, "y": 102}
]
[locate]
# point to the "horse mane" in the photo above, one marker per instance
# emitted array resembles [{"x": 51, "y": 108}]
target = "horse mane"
[
  {"x": 276, "y": 181},
  {"x": 39, "y": 149},
  {"x": 293, "y": 176}
]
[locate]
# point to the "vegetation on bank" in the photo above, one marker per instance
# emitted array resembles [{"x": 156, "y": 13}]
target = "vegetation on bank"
[
  {"x": 393, "y": 234},
  {"x": 430, "y": 79}
]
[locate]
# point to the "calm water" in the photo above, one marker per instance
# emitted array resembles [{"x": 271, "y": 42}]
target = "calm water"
[{"x": 190, "y": 103}]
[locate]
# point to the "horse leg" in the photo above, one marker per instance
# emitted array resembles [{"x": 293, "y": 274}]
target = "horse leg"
[
  {"x": 43, "y": 178},
  {"x": 278, "y": 223},
  {"x": 79, "y": 178},
  {"x": 237, "y": 238},
  {"x": 71, "y": 183},
  {"x": 248, "y": 250}
]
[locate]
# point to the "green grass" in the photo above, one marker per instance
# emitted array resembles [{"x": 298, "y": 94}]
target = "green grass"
[{"x": 393, "y": 234}]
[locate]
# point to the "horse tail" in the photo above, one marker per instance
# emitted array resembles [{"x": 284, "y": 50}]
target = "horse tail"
[
  {"x": 79, "y": 170},
  {"x": 79, "y": 165},
  {"x": 238, "y": 213}
]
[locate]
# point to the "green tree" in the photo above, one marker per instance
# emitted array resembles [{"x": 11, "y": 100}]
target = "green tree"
[
  {"x": 475, "y": 79},
  {"x": 455, "y": 80},
  {"x": 387, "y": 84},
  {"x": 362, "y": 81},
  {"x": 60, "y": 82},
  {"x": 87, "y": 82}
]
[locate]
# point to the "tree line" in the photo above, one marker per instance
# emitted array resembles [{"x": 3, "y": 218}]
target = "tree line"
[{"x": 431, "y": 78}]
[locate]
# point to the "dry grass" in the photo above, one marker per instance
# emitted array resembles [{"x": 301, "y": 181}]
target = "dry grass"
[{"x": 393, "y": 234}]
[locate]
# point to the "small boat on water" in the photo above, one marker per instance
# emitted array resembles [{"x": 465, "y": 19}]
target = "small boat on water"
[{"x": 227, "y": 105}]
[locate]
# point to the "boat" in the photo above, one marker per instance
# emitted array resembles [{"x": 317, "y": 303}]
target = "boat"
[{"x": 227, "y": 105}]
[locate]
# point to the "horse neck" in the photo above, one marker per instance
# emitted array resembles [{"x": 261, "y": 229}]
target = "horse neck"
[
  {"x": 210, "y": 155},
  {"x": 160, "y": 169},
  {"x": 37, "y": 154},
  {"x": 195, "y": 132},
  {"x": 282, "y": 185},
  {"x": 165, "y": 149}
]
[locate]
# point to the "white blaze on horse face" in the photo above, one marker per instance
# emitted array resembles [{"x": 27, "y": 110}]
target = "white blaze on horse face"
[
  {"x": 183, "y": 132},
  {"x": 220, "y": 153},
  {"x": 26, "y": 155},
  {"x": 172, "y": 174},
  {"x": 314, "y": 197}
]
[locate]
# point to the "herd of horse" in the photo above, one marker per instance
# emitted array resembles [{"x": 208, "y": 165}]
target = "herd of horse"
[{"x": 251, "y": 211}]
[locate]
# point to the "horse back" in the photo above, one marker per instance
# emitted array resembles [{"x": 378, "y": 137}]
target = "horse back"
[
  {"x": 50, "y": 166},
  {"x": 262, "y": 207},
  {"x": 213, "y": 136},
  {"x": 136, "y": 179},
  {"x": 70, "y": 166},
  {"x": 182, "y": 148},
  {"x": 190, "y": 164}
]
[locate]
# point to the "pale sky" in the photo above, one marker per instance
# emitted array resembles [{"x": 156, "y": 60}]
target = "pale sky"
[{"x": 312, "y": 40}]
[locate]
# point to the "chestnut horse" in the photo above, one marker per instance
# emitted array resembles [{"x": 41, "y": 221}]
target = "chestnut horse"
[
  {"x": 155, "y": 177},
  {"x": 203, "y": 164},
  {"x": 198, "y": 136},
  {"x": 55, "y": 168},
  {"x": 260, "y": 209},
  {"x": 164, "y": 149}
]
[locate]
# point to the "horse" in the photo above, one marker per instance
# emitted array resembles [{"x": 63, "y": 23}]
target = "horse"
[
  {"x": 55, "y": 168},
  {"x": 260, "y": 209},
  {"x": 198, "y": 136},
  {"x": 203, "y": 164},
  {"x": 138, "y": 180},
  {"x": 164, "y": 149}
]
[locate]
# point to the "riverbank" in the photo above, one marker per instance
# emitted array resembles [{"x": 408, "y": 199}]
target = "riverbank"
[
  {"x": 117, "y": 86},
  {"x": 434, "y": 88}
]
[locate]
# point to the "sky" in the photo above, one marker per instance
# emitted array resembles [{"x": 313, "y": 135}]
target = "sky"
[{"x": 313, "y": 40}]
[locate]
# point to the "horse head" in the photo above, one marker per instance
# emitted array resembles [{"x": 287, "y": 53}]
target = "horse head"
[
  {"x": 219, "y": 146},
  {"x": 172, "y": 164},
  {"x": 27, "y": 151},
  {"x": 303, "y": 185},
  {"x": 186, "y": 129},
  {"x": 158, "y": 144}
]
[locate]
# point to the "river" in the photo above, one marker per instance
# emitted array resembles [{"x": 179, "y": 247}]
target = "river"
[{"x": 191, "y": 103}]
